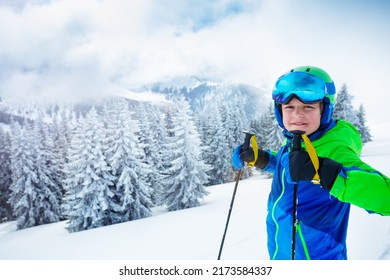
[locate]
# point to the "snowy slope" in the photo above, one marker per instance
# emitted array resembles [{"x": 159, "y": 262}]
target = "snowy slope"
[{"x": 195, "y": 234}]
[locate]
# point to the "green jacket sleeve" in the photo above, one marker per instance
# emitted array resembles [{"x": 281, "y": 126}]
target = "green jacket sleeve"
[
  {"x": 362, "y": 185},
  {"x": 358, "y": 183}
]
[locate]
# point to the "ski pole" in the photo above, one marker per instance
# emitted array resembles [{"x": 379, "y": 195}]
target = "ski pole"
[
  {"x": 296, "y": 146},
  {"x": 245, "y": 146}
]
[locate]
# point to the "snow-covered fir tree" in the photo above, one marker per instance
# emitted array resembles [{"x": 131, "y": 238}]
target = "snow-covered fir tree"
[
  {"x": 61, "y": 131},
  {"x": 215, "y": 147},
  {"x": 239, "y": 125},
  {"x": 34, "y": 195},
  {"x": 227, "y": 121},
  {"x": 23, "y": 177},
  {"x": 5, "y": 176},
  {"x": 47, "y": 169},
  {"x": 362, "y": 125},
  {"x": 271, "y": 136},
  {"x": 152, "y": 136},
  {"x": 185, "y": 179},
  {"x": 239, "y": 121},
  {"x": 75, "y": 165},
  {"x": 214, "y": 143},
  {"x": 231, "y": 140},
  {"x": 89, "y": 181},
  {"x": 343, "y": 108},
  {"x": 126, "y": 157}
]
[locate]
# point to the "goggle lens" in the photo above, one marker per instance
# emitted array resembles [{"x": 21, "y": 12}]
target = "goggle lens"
[{"x": 304, "y": 86}]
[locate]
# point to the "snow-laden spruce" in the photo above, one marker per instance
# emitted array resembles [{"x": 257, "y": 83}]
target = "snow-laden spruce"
[
  {"x": 344, "y": 110},
  {"x": 5, "y": 176},
  {"x": 185, "y": 175},
  {"x": 152, "y": 136},
  {"x": 221, "y": 128},
  {"x": 126, "y": 157},
  {"x": 35, "y": 196},
  {"x": 214, "y": 143},
  {"x": 89, "y": 185},
  {"x": 106, "y": 171}
]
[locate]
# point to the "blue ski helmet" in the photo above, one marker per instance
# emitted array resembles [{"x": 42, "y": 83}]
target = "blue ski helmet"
[{"x": 309, "y": 84}]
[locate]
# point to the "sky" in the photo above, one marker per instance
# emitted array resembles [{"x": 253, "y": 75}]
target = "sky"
[
  {"x": 192, "y": 238},
  {"x": 66, "y": 49}
]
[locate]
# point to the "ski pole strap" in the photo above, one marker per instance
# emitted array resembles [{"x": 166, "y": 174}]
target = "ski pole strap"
[
  {"x": 313, "y": 157},
  {"x": 255, "y": 151}
]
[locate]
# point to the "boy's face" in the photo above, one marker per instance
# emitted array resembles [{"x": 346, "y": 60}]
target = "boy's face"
[{"x": 301, "y": 116}]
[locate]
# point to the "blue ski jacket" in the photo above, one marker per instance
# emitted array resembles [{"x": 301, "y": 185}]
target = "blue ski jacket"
[{"x": 322, "y": 215}]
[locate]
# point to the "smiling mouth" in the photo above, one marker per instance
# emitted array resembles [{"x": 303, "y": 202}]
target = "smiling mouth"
[{"x": 299, "y": 124}]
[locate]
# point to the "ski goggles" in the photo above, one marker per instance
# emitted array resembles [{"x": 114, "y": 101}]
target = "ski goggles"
[{"x": 306, "y": 87}]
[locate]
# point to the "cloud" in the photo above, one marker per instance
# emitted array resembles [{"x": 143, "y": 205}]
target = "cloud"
[
  {"x": 78, "y": 48},
  {"x": 62, "y": 48},
  {"x": 73, "y": 48}
]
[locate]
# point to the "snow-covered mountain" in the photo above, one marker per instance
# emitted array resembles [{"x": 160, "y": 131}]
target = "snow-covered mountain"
[{"x": 199, "y": 92}]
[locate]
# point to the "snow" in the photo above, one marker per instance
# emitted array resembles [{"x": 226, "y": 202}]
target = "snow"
[{"x": 196, "y": 233}]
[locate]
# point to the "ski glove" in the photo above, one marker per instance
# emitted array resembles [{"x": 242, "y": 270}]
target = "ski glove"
[
  {"x": 240, "y": 155},
  {"x": 301, "y": 168},
  {"x": 237, "y": 162}
]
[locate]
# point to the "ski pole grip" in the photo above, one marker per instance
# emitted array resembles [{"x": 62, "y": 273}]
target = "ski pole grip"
[
  {"x": 247, "y": 141},
  {"x": 297, "y": 139}
]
